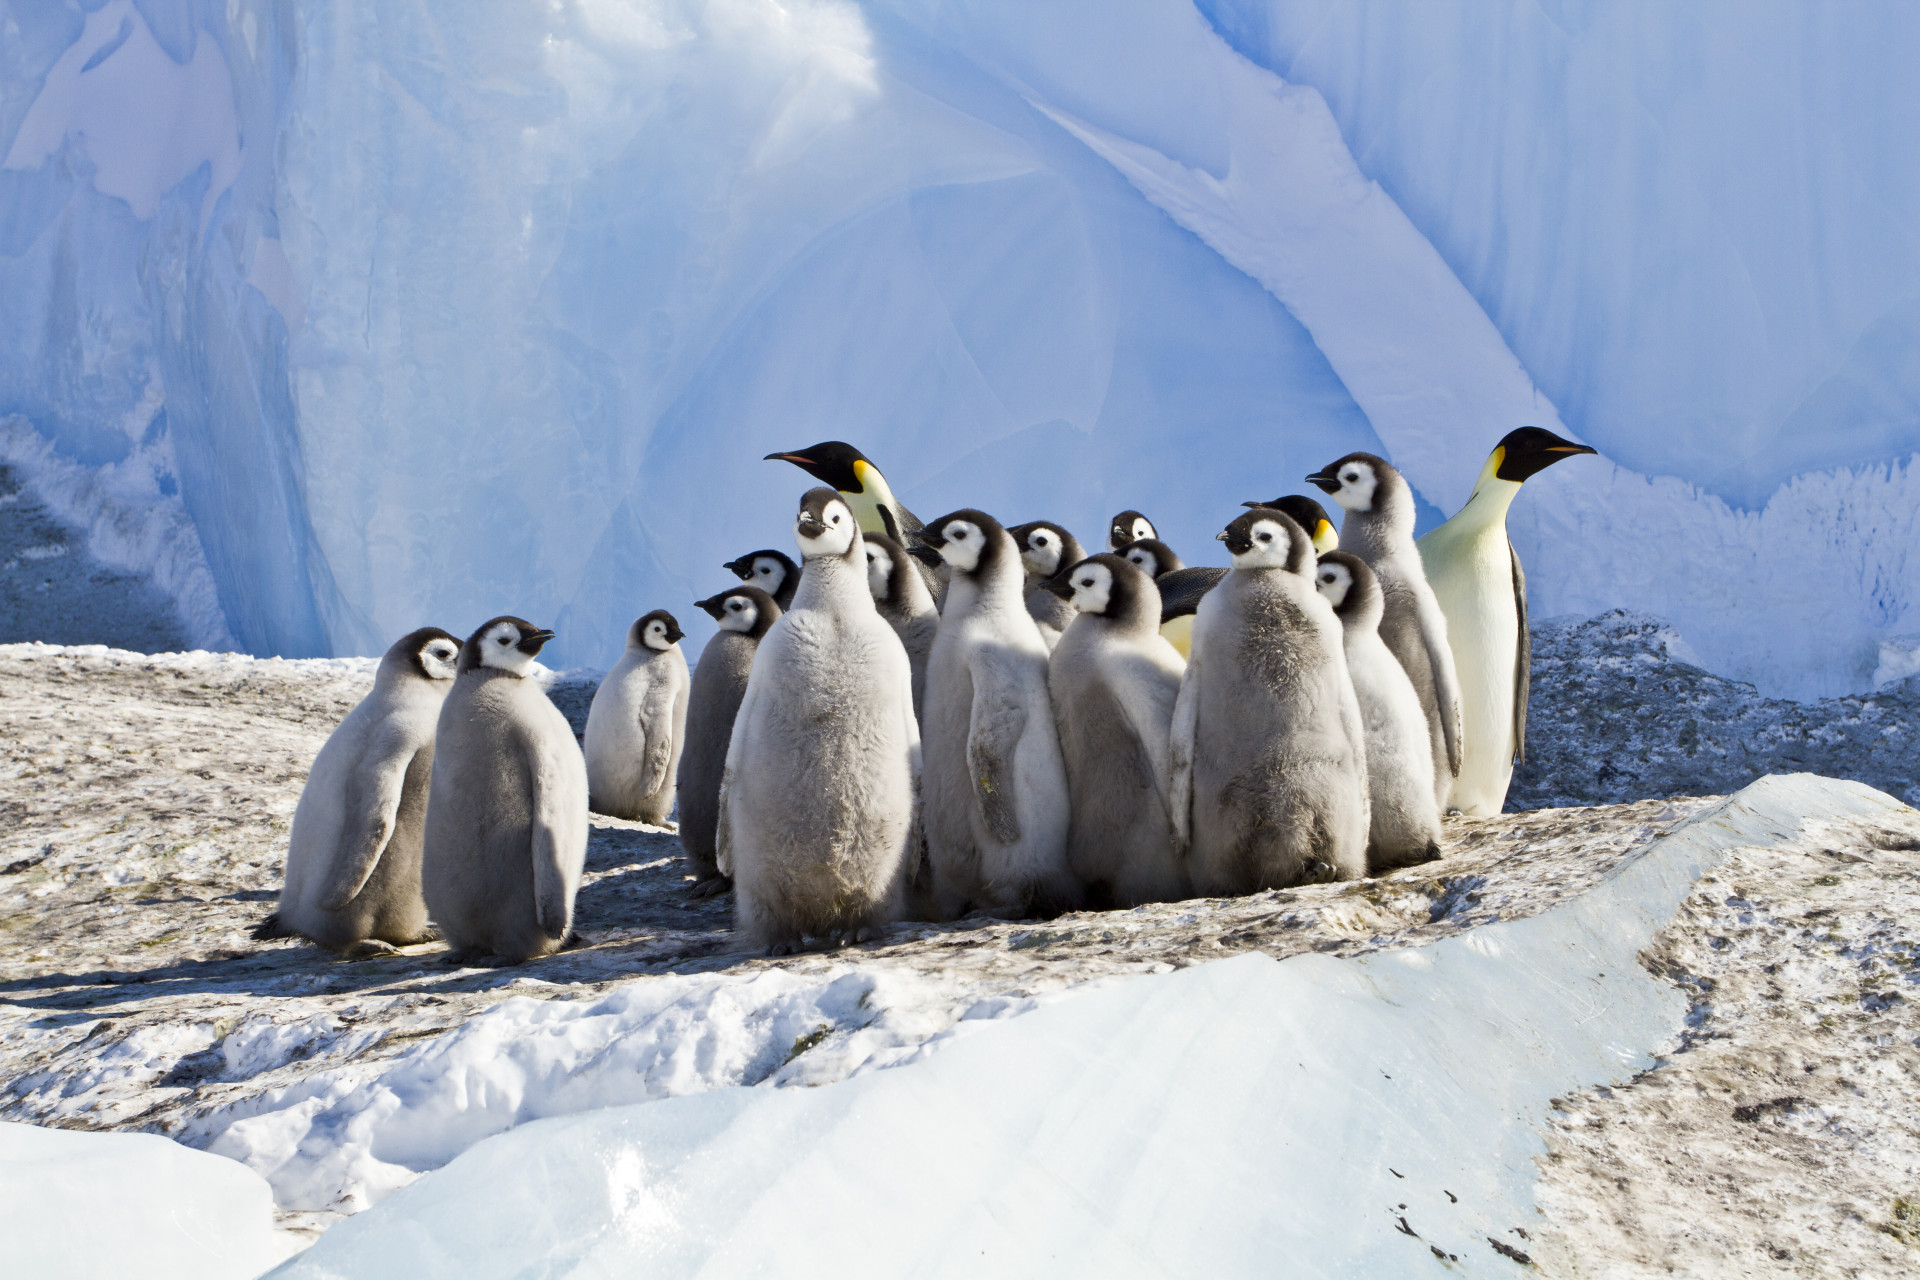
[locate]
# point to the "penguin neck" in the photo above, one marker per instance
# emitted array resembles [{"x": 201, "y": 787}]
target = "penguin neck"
[
  {"x": 834, "y": 582},
  {"x": 874, "y": 494},
  {"x": 1380, "y": 533},
  {"x": 1488, "y": 506}
]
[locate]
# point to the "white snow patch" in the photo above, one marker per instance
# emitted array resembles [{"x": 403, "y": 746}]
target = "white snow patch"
[
  {"x": 1370, "y": 1116},
  {"x": 341, "y": 1140},
  {"x": 130, "y": 1204},
  {"x": 1899, "y": 660}
]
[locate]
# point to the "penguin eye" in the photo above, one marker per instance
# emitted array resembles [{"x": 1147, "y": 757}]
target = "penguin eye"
[{"x": 501, "y": 640}]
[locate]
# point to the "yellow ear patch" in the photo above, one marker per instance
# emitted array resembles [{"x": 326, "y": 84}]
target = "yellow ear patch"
[{"x": 860, "y": 469}]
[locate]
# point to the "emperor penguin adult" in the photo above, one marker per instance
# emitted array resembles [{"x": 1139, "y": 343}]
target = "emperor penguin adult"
[
  {"x": 995, "y": 799},
  {"x": 1309, "y": 515},
  {"x": 774, "y": 572},
  {"x": 353, "y": 856},
  {"x": 719, "y": 683},
  {"x": 1045, "y": 549},
  {"x": 1476, "y": 577},
  {"x": 852, "y": 475},
  {"x": 637, "y": 725},
  {"x": 1378, "y": 527},
  {"x": 817, "y": 801},
  {"x": 1128, "y": 527},
  {"x": 1405, "y": 824},
  {"x": 1268, "y": 757},
  {"x": 901, "y": 596},
  {"x": 1113, "y": 681},
  {"x": 1180, "y": 587},
  {"x": 506, "y": 837}
]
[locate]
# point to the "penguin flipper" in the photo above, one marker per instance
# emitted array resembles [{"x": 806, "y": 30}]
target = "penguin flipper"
[
  {"x": 552, "y": 895},
  {"x": 1181, "y": 590},
  {"x": 1446, "y": 677},
  {"x": 1523, "y": 660},
  {"x": 1186, "y": 720},
  {"x": 373, "y": 801},
  {"x": 992, "y": 736},
  {"x": 656, "y": 730}
]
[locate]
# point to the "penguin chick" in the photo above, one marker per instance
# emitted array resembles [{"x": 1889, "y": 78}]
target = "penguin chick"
[
  {"x": 1405, "y": 823},
  {"x": 1113, "y": 682},
  {"x": 1180, "y": 588},
  {"x": 1309, "y": 515},
  {"x": 1128, "y": 527},
  {"x": 507, "y": 814},
  {"x": 1045, "y": 549},
  {"x": 719, "y": 683},
  {"x": 817, "y": 800},
  {"x": 903, "y": 600},
  {"x": 774, "y": 572},
  {"x": 353, "y": 857},
  {"x": 1476, "y": 577},
  {"x": 1269, "y": 771},
  {"x": 995, "y": 790},
  {"x": 637, "y": 724},
  {"x": 1378, "y": 527}
]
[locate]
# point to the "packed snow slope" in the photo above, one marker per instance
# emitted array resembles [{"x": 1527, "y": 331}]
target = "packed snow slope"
[{"x": 425, "y": 313}]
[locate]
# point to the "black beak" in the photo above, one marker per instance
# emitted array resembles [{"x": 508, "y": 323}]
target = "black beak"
[
  {"x": 808, "y": 527},
  {"x": 714, "y": 606},
  {"x": 532, "y": 644},
  {"x": 1060, "y": 584},
  {"x": 1275, "y": 501},
  {"x": 925, "y": 554},
  {"x": 1325, "y": 481},
  {"x": 741, "y": 568}
]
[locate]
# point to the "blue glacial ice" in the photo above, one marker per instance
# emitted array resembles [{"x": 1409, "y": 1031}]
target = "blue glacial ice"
[{"x": 392, "y": 314}]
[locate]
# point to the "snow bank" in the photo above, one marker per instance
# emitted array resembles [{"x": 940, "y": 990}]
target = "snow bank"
[
  {"x": 1373, "y": 1116},
  {"x": 110, "y": 1205},
  {"x": 341, "y": 1140},
  {"x": 378, "y": 279}
]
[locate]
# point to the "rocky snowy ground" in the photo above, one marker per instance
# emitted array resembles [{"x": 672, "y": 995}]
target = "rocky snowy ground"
[{"x": 145, "y": 811}]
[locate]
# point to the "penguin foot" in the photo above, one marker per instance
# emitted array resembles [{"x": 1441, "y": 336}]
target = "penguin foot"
[
  {"x": 785, "y": 948},
  {"x": 462, "y": 957},
  {"x": 428, "y": 934},
  {"x": 711, "y": 887},
  {"x": 498, "y": 962},
  {"x": 270, "y": 928},
  {"x": 367, "y": 948},
  {"x": 573, "y": 941}
]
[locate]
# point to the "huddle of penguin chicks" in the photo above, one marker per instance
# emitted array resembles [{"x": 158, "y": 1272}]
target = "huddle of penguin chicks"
[{"x": 986, "y": 722}]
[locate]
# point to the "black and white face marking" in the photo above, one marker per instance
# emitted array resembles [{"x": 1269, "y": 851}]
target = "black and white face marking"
[
  {"x": 739, "y": 613},
  {"x": 440, "y": 658},
  {"x": 768, "y": 574},
  {"x": 1129, "y": 526},
  {"x": 824, "y": 526},
  {"x": 1334, "y": 581},
  {"x": 1041, "y": 555},
  {"x": 964, "y": 543},
  {"x": 1358, "y": 482},
  {"x": 879, "y": 571},
  {"x": 1092, "y": 587},
  {"x": 654, "y": 636},
  {"x": 1263, "y": 545},
  {"x": 1142, "y": 556},
  {"x": 505, "y": 647}
]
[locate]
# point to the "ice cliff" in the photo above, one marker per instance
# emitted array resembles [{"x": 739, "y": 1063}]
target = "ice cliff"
[{"x": 372, "y": 315}]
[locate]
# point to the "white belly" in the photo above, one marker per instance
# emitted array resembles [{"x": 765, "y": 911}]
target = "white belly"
[{"x": 1475, "y": 591}]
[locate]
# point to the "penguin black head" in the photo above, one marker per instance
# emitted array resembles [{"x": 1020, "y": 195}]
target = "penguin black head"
[
  {"x": 966, "y": 539},
  {"x": 768, "y": 570},
  {"x": 1309, "y": 515},
  {"x": 831, "y": 462},
  {"x": 1128, "y": 526},
  {"x": 824, "y": 525},
  {"x": 747, "y": 610},
  {"x": 1359, "y": 481},
  {"x": 1350, "y": 587},
  {"x": 430, "y": 653},
  {"x": 506, "y": 644},
  {"x": 1045, "y": 547},
  {"x": 658, "y": 631},
  {"x": 1152, "y": 556},
  {"x": 1109, "y": 586},
  {"x": 1267, "y": 539},
  {"x": 1529, "y": 451}
]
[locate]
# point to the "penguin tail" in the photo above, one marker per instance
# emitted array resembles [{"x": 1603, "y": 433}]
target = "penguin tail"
[{"x": 270, "y": 928}]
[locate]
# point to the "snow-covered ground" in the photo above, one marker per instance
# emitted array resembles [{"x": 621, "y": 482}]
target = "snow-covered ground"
[{"x": 147, "y": 803}]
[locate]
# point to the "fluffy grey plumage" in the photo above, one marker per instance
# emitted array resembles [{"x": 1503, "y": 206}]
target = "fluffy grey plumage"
[
  {"x": 1045, "y": 549},
  {"x": 905, "y": 602},
  {"x": 506, "y": 836},
  {"x": 1378, "y": 527},
  {"x": 1269, "y": 760},
  {"x": 719, "y": 683},
  {"x": 637, "y": 724},
  {"x": 353, "y": 857},
  {"x": 817, "y": 802},
  {"x": 995, "y": 788},
  {"x": 1405, "y": 823},
  {"x": 1114, "y": 680}
]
